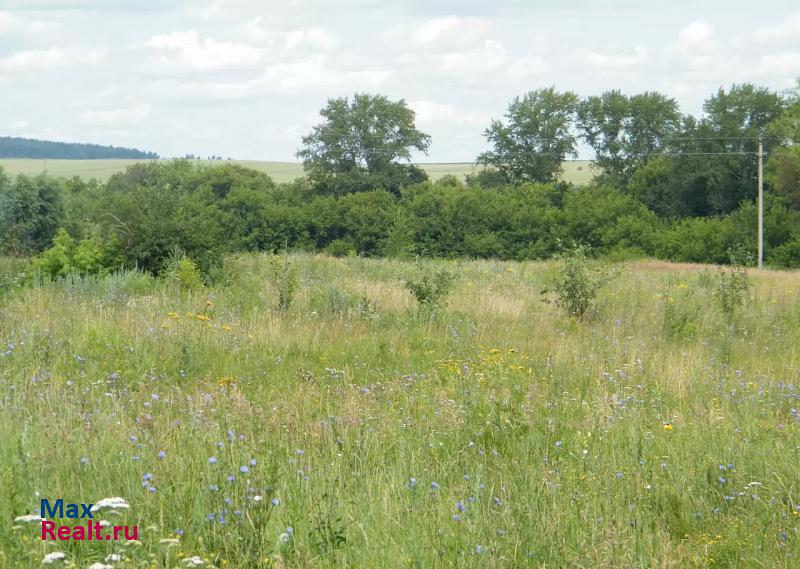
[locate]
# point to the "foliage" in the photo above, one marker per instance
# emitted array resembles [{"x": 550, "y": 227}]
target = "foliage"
[
  {"x": 31, "y": 210},
  {"x": 282, "y": 276},
  {"x": 360, "y": 144},
  {"x": 532, "y": 144},
  {"x": 733, "y": 285},
  {"x": 92, "y": 255},
  {"x": 15, "y": 147},
  {"x": 577, "y": 282},
  {"x": 429, "y": 286},
  {"x": 183, "y": 272},
  {"x": 624, "y": 131}
]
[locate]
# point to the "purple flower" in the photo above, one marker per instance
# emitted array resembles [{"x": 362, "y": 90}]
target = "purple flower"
[
  {"x": 253, "y": 462},
  {"x": 212, "y": 460},
  {"x": 434, "y": 486},
  {"x": 161, "y": 454},
  {"x": 244, "y": 469},
  {"x": 214, "y": 488},
  {"x": 461, "y": 507},
  {"x": 275, "y": 502}
]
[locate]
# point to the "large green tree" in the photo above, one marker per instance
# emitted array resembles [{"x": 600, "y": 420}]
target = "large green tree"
[
  {"x": 364, "y": 143},
  {"x": 626, "y": 131},
  {"x": 31, "y": 210},
  {"x": 534, "y": 140}
]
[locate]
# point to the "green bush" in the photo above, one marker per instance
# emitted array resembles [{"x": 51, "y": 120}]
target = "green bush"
[
  {"x": 282, "y": 276},
  {"x": 577, "y": 282},
  {"x": 428, "y": 285},
  {"x": 183, "y": 272},
  {"x": 89, "y": 256}
]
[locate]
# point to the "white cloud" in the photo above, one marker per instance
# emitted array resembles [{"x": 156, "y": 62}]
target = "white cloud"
[
  {"x": 17, "y": 125},
  {"x": 313, "y": 38},
  {"x": 785, "y": 31},
  {"x": 116, "y": 117},
  {"x": 185, "y": 51},
  {"x": 615, "y": 61},
  {"x": 433, "y": 112},
  {"x": 781, "y": 64},
  {"x": 32, "y": 60},
  {"x": 490, "y": 56}
]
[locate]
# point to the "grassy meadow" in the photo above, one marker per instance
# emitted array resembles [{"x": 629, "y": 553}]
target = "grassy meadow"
[
  {"x": 576, "y": 171},
  {"x": 355, "y": 430}
]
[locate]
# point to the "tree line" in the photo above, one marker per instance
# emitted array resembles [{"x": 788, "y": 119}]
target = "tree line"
[
  {"x": 15, "y": 147},
  {"x": 667, "y": 185}
]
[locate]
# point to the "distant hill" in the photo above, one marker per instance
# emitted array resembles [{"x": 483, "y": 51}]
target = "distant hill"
[{"x": 13, "y": 147}]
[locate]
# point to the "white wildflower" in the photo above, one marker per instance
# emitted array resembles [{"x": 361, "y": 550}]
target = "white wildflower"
[
  {"x": 54, "y": 557},
  {"x": 113, "y": 557},
  {"x": 169, "y": 541},
  {"x": 112, "y": 503},
  {"x": 193, "y": 561},
  {"x": 284, "y": 538},
  {"x": 99, "y": 565},
  {"x": 28, "y": 518}
]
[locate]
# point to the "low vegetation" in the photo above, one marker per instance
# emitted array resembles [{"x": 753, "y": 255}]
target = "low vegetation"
[{"x": 348, "y": 428}]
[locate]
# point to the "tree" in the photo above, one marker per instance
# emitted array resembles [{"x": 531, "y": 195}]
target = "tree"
[
  {"x": 625, "y": 131},
  {"x": 361, "y": 144},
  {"x": 31, "y": 210},
  {"x": 536, "y": 138}
]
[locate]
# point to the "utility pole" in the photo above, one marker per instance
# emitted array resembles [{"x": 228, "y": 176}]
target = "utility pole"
[{"x": 760, "y": 202}]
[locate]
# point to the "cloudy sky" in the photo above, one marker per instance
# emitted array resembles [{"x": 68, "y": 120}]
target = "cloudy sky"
[{"x": 246, "y": 78}]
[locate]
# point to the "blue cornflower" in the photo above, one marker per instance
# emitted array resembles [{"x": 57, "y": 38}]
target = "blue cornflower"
[
  {"x": 161, "y": 454},
  {"x": 237, "y": 513},
  {"x": 479, "y": 549},
  {"x": 214, "y": 488},
  {"x": 211, "y": 517},
  {"x": 146, "y": 476},
  {"x": 228, "y": 501},
  {"x": 244, "y": 469},
  {"x": 276, "y": 502},
  {"x": 151, "y": 489},
  {"x": 456, "y": 518},
  {"x": 134, "y": 438},
  {"x": 434, "y": 486},
  {"x": 300, "y": 452},
  {"x": 231, "y": 435},
  {"x": 231, "y": 478},
  {"x": 619, "y": 475},
  {"x": 461, "y": 507},
  {"x": 253, "y": 462},
  {"x": 290, "y": 530},
  {"x": 722, "y": 480},
  {"x": 559, "y": 444},
  {"x": 177, "y": 531},
  {"x": 84, "y": 460},
  {"x": 412, "y": 483},
  {"x": 212, "y": 460}
]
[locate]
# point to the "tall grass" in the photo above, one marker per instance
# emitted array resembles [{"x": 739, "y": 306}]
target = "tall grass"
[{"x": 495, "y": 432}]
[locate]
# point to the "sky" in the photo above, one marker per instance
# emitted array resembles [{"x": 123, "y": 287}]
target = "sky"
[{"x": 246, "y": 78}]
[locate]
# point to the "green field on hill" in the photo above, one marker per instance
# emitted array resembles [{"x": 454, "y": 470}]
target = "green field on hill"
[{"x": 576, "y": 171}]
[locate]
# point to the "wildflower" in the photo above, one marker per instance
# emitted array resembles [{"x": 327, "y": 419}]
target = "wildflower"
[
  {"x": 479, "y": 549},
  {"x": 434, "y": 486},
  {"x": 54, "y": 557},
  {"x": 169, "y": 541},
  {"x": 134, "y": 438},
  {"x": 28, "y": 518},
  {"x": 231, "y": 478},
  {"x": 194, "y": 561},
  {"x": 253, "y": 462},
  {"x": 284, "y": 538},
  {"x": 257, "y": 498},
  {"x": 619, "y": 475},
  {"x": 161, "y": 454},
  {"x": 412, "y": 483},
  {"x": 111, "y": 503},
  {"x": 290, "y": 530},
  {"x": 559, "y": 444},
  {"x": 214, "y": 488},
  {"x": 177, "y": 531},
  {"x": 211, "y": 517},
  {"x": 667, "y": 426},
  {"x": 151, "y": 489},
  {"x": 275, "y": 502},
  {"x": 244, "y": 469},
  {"x": 212, "y": 460},
  {"x": 456, "y": 518},
  {"x": 461, "y": 507},
  {"x": 84, "y": 460},
  {"x": 113, "y": 557},
  {"x": 722, "y": 480},
  {"x": 300, "y": 452}
]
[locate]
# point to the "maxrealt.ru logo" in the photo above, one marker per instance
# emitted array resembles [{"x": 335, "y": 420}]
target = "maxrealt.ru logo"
[{"x": 91, "y": 530}]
